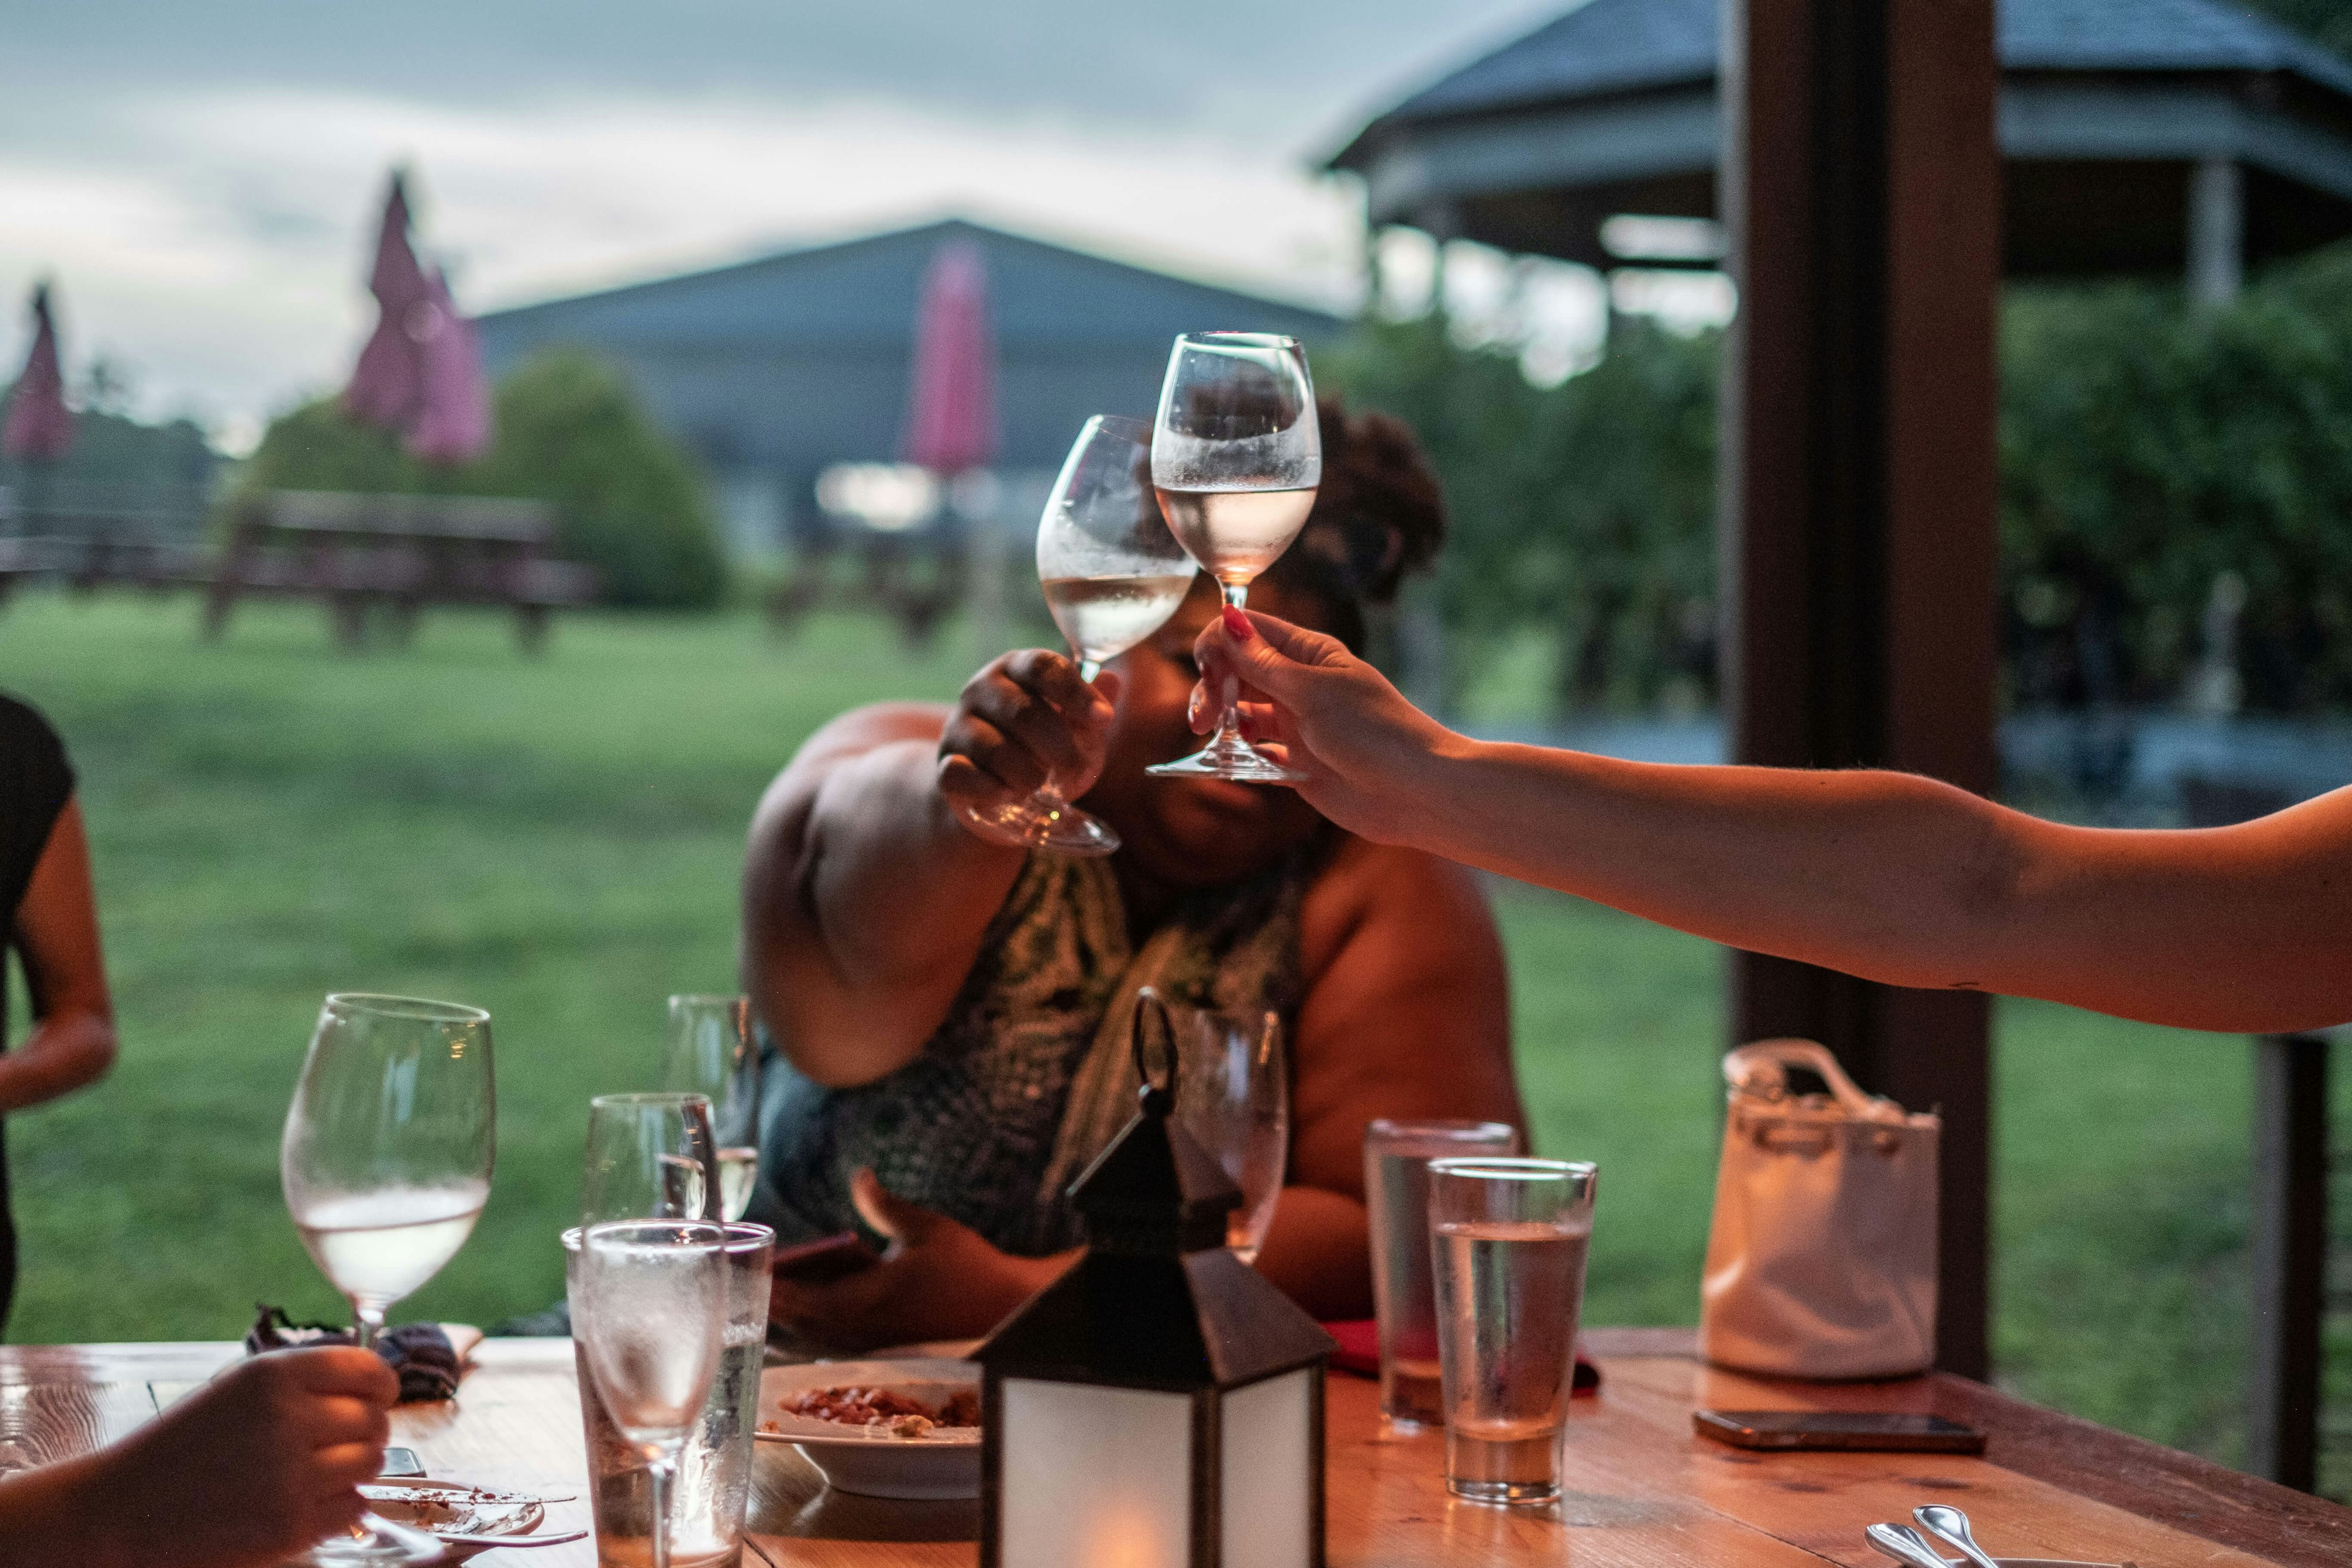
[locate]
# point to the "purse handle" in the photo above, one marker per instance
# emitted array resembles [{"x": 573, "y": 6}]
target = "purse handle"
[{"x": 1760, "y": 1070}]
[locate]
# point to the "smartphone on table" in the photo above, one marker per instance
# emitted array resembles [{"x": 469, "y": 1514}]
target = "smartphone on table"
[{"x": 1855, "y": 1431}]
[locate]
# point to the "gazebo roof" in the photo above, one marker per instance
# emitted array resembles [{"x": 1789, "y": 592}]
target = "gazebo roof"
[{"x": 1610, "y": 108}]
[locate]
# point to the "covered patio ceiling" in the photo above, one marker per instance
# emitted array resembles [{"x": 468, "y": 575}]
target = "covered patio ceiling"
[{"x": 2137, "y": 136}]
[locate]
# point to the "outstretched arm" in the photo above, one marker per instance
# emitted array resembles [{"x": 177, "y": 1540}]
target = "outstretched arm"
[
  {"x": 1888, "y": 876},
  {"x": 865, "y": 899}
]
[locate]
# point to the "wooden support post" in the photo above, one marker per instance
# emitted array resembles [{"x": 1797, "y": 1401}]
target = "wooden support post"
[
  {"x": 1861, "y": 183},
  {"x": 2288, "y": 1242}
]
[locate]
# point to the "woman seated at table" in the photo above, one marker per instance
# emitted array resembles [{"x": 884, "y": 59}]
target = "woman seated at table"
[
  {"x": 951, "y": 1016},
  {"x": 1887, "y": 876},
  {"x": 52, "y": 924},
  {"x": 259, "y": 1463}
]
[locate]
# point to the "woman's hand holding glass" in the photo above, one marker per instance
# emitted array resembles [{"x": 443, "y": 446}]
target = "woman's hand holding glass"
[
  {"x": 1024, "y": 719},
  {"x": 1353, "y": 740}
]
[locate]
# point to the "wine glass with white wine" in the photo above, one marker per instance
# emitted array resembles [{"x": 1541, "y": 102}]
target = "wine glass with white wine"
[
  {"x": 707, "y": 1050},
  {"x": 385, "y": 1164},
  {"x": 1112, "y": 575},
  {"x": 1237, "y": 455}
]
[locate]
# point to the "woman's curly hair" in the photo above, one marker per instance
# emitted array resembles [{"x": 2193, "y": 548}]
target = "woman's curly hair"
[{"x": 1378, "y": 513}]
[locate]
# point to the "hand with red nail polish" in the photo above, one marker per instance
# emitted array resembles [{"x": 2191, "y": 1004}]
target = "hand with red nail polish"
[{"x": 1325, "y": 711}]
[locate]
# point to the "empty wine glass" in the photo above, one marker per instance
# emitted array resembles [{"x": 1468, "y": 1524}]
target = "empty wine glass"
[
  {"x": 1236, "y": 456},
  {"x": 650, "y": 1156},
  {"x": 707, "y": 1050},
  {"x": 1112, "y": 575},
  {"x": 385, "y": 1164},
  {"x": 650, "y": 1313},
  {"x": 1233, "y": 1095}
]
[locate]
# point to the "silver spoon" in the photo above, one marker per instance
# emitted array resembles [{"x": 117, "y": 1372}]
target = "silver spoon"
[
  {"x": 1950, "y": 1524},
  {"x": 1906, "y": 1545}
]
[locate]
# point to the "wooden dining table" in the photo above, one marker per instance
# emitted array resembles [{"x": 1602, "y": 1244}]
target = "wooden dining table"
[{"x": 1642, "y": 1491}]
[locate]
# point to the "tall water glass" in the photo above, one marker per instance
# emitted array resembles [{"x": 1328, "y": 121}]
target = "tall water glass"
[
  {"x": 649, "y": 1317},
  {"x": 1507, "y": 1241},
  {"x": 1237, "y": 455},
  {"x": 1396, "y": 1191},
  {"x": 712, "y": 1488},
  {"x": 707, "y": 1050},
  {"x": 1233, "y": 1095},
  {"x": 385, "y": 1164},
  {"x": 650, "y": 1156}
]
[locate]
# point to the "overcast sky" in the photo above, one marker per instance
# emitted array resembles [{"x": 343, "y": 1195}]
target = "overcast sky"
[{"x": 201, "y": 176}]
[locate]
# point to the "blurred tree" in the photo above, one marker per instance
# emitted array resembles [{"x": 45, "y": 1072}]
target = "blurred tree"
[
  {"x": 626, "y": 498},
  {"x": 1586, "y": 507},
  {"x": 2177, "y": 495},
  {"x": 2155, "y": 462},
  {"x": 2327, "y": 21}
]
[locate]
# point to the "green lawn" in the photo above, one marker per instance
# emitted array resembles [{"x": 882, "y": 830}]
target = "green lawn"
[{"x": 557, "y": 840}]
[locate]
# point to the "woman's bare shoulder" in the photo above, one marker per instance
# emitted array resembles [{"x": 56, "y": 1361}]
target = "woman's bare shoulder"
[{"x": 1366, "y": 887}]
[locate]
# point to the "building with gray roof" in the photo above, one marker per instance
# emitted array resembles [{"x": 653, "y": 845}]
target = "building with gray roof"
[
  {"x": 2137, "y": 135},
  {"x": 775, "y": 370}
]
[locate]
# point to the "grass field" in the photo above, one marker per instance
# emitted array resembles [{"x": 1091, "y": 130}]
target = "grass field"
[{"x": 557, "y": 840}]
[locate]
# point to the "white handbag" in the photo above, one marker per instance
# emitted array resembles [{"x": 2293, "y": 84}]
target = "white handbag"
[{"x": 1821, "y": 1258}]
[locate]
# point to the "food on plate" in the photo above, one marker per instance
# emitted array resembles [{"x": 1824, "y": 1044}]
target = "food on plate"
[{"x": 882, "y": 1411}]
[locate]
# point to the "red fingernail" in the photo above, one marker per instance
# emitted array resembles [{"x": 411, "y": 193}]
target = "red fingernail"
[{"x": 1238, "y": 623}]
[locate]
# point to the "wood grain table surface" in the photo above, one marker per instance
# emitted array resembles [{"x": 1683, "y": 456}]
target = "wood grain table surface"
[{"x": 1643, "y": 1492}]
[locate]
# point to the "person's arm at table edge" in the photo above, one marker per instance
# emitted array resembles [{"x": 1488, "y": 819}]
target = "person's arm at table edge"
[
  {"x": 1888, "y": 876},
  {"x": 72, "y": 1043}
]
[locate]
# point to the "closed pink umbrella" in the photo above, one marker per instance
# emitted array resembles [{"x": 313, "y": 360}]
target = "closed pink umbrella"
[
  {"x": 420, "y": 371},
  {"x": 385, "y": 387},
  {"x": 40, "y": 427},
  {"x": 951, "y": 404},
  {"x": 453, "y": 414}
]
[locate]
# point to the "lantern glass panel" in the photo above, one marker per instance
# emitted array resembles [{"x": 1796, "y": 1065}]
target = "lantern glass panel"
[
  {"x": 1268, "y": 1479},
  {"x": 1095, "y": 1477}
]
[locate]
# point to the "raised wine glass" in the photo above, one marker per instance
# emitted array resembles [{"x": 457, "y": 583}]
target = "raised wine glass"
[
  {"x": 1237, "y": 455},
  {"x": 1112, "y": 575},
  {"x": 707, "y": 1050},
  {"x": 385, "y": 1164},
  {"x": 650, "y": 1314},
  {"x": 650, "y": 1156}
]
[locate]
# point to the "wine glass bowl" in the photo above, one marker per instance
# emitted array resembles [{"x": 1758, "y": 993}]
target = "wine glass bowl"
[
  {"x": 1237, "y": 455},
  {"x": 707, "y": 1050},
  {"x": 1233, "y": 1095},
  {"x": 649, "y": 1156},
  {"x": 388, "y": 1144},
  {"x": 1112, "y": 573}
]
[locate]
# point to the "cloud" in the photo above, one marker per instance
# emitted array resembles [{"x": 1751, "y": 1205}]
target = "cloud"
[
  {"x": 226, "y": 263},
  {"x": 201, "y": 175}
]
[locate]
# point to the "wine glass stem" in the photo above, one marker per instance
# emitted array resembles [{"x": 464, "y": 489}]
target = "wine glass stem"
[
  {"x": 370, "y": 1327},
  {"x": 1229, "y": 723},
  {"x": 659, "y": 1470},
  {"x": 1047, "y": 797}
]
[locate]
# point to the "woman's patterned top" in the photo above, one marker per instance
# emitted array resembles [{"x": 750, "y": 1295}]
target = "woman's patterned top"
[{"x": 1029, "y": 1076}]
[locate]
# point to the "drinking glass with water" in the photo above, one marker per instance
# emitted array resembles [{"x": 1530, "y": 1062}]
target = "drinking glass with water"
[
  {"x": 1507, "y": 1241},
  {"x": 1396, "y": 1191}
]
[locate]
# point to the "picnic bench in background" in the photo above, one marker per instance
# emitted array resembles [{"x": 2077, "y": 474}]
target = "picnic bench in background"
[{"x": 393, "y": 555}]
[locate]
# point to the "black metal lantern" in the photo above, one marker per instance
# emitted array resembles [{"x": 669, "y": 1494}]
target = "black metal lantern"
[{"x": 1160, "y": 1406}]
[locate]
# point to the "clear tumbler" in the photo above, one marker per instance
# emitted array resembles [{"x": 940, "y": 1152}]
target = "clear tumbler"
[
  {"x": 1508, "y": 1240},
  {"x": 1396, "y": 1191},
  {"x": 713, "y": 1485}
]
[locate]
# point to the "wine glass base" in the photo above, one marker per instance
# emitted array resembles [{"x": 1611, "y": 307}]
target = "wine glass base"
[
  {"x": 1024, "y": 825},
  {"x": 1241, "y": 763}
]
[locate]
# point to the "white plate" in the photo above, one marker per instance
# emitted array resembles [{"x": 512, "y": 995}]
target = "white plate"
[
  {"x": 452, "y": 1511},
  {"x": 942, "y": 1463}
]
